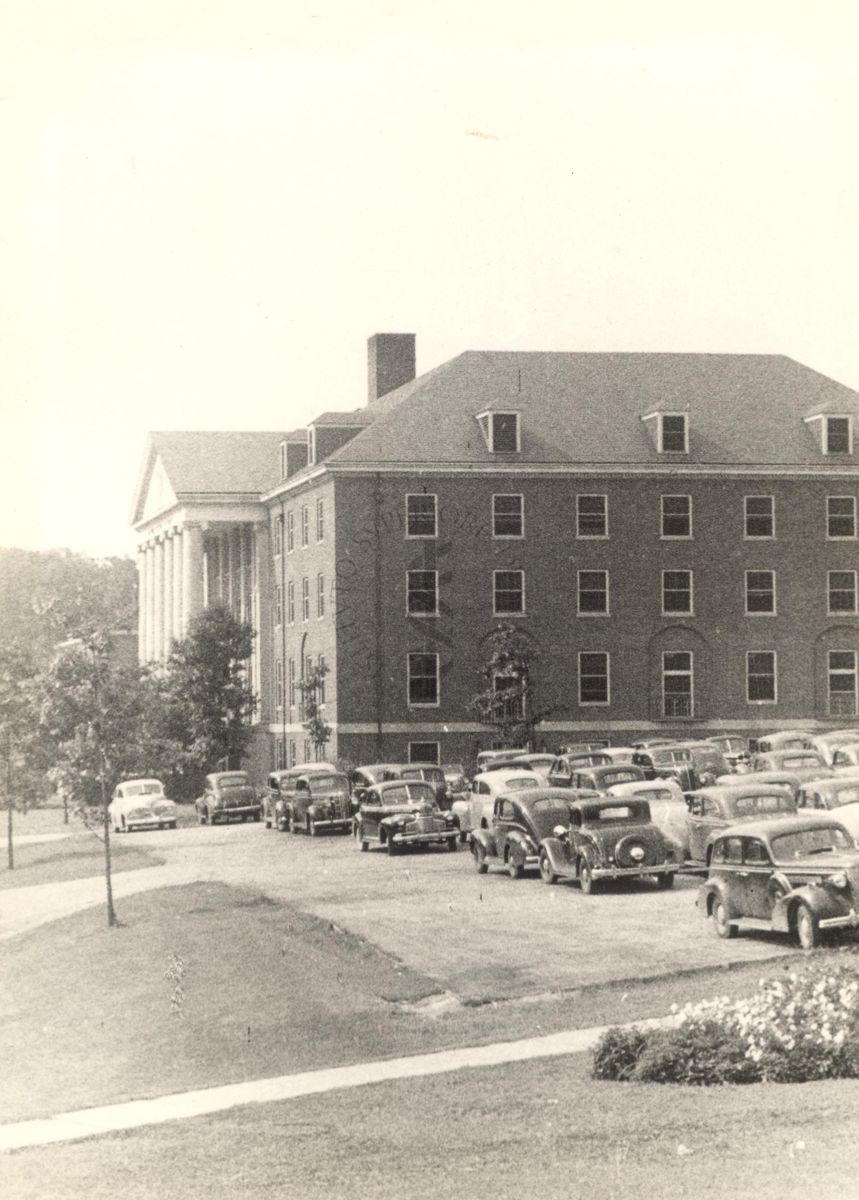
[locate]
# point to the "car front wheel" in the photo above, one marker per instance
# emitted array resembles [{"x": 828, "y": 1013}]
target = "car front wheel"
[
  {"x": 480, "y": 863},
  {"x": 311, "y": 827},
  {"x": 546, "y": 872},
  {"x": 586, "y": 878},
  {"x": 393, "y": 848},
  {"x": 807, "y": 928},
  {"x": 665, "y": 880},
  {"x": 723, "y": 927},
  {"x": 361, "y": 840},
  {"x": 514, "y": 868}
]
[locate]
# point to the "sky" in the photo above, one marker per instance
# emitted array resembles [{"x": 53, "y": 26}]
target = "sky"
[{"x": 206, "y": 207}]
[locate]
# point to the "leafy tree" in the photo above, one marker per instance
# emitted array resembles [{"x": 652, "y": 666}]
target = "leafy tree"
[
  {"x": 312, "y": 688},
  {"x": 19, "y": 760},
  {"x": 209, "y": 702},
  {"x": 507, "y": 701}
]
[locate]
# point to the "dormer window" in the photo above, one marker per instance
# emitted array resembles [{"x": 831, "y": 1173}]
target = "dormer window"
[
  {"x": 673, "y": 433},
  {"x": 500, "y": 431},
  {"x": 838, "y": 436}
]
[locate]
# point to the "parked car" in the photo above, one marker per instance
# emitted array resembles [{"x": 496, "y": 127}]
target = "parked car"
[
  {"x": 486, "y": 756},
  {"x": 140, "y": 804},
  {"x": 783, "y": 779},
  {"x": 456, "y": 780},
  {"x": 668, "y": 762},
  {"x": 403, "y": 812},
  {"x": 619, "y": 754},
  {"x": 476, "y": 811},
  {"x": 715, "y": 808},
  {"x": 228, "y": 794},
  {"x": 826, "y": 743},
  {"x": 600, "y": 779},
  {"x": 838, "y": 796},
  {"x": 432, "y": 774},
  {"x": 582, "y": 747},
  {"x": 845, "y": 759},
  {"x": 565, "y": 766},
  {"x": 519, "y": 823},
  {"x": 541, "y": 763},
  {"x": 785, "y": 739},
  {"x": 608, "y": 838},
  {"x": 804, "y": 764},
  {"x": 797, "y": 875},
  {"x": 734, "y": 748},
  {"x": 708, "y": 762},
  {"x": 366, "y": 776},
  {"x": 505, "y": 764},
  {"x": 668, "y": 810},
  {"x": 279, "y": 787},
  {"x": 319, "y": 801}
]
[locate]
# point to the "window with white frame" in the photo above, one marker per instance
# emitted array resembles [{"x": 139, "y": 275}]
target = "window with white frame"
[
  {"x": 305, "y": 525},
  {"x": 591, "y": 516},
  {"x": 508, "y": 592},
  {"x": 841, "y": 516},
  {"x": 424, "y": 752},
  {"x": 841, "y": 592},
  {"x": 290, "y": 603},
  {"x": 293, "y": 756},
  {"x": 676, "y": 593},
  {"x": 320, "y": 595},
  {"x": 500, "y": 431},
  {"x": 305, "y": 599},
  {"x": 677, "y": 684},
  {"x": 278, "y": 606},
  {"x": 290, "y": 673},
  {"x": 278, "y": 535},
  {"x": 592, "y": 593},
  {"x": 760, "y": 516},
  {"x": 322, "y": 669},
  {"x": 290, "y": 532},
  {"x": 278, "y": 682},
  {"x": 320, "y": 520},
  {"x": 421, "y": 515},
  {"x": 423, "y": 679},
  {"x": 509, "y": 697},
  {"x": 422, "y": 593},
  {"x": 673, "y": 433},
  {"x": 676, "y": 516},
  {"x": 760, "y": 593},
  {"x": 842, "y": 683},
  {"x": 508, "y": 516},
  {"x": 838, "y": 435},
  {"x": 279, "y": 754},
  {"x": 761, "y": 677},
  {"x": 594, "y": 683}
]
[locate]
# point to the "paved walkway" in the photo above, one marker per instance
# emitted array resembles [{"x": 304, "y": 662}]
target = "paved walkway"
[{"x": 180, "y": 1106}]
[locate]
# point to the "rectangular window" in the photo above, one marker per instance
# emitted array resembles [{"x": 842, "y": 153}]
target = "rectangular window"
[
  {"x": 508, "y": 516},
  {"x": 278, "y": 606},
  {"x": 293, "y": 757},
  {"x": 290, "y": 603},
  {"x": 842, "y": 683},
  {"x": 320, "y": 691},
  {"x": 423, "y": 679},
  {"x": 505, "y": 432},
  {"x": 760, "y": 677},
  {"x": 421, "y": 515},
  {"x": 841, "y": 516},
  {"x": 305, "y": 525},
  {"x": 760, "y": 592},
  {"x": 677, "y": 695},
  {"x": 593, "y": 678},
  {"x": 305, "y": 599},
  {"x": 838, "y": 435},
  {"x": 673, "y": 433},
  {"x": 278, "y": 682},
  {"x": 424, "y": 752},
  {"x": 291, "y": 681},
  {"x": 676, "y": 516},
  {"x": 290, "y": 532},
  {"x": 320, "y": 595},
  {"x": 760, "y": 516},
  {"x": 279, "y": 754},
  {"x": 278, "y": 535},
  {"x": 593, "y": 593},
  {"x": 422, "y": 593},
  {"x": 508, "y": 592},
  {"x": 320, "y": 520},
  {"x": 676, "y": 593},
  {"x": 841, "y": 589},
  {"x": 591, "y": 516},
  {"x": 510, "y": 705}
]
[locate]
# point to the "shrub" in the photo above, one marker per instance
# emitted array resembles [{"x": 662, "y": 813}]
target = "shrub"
[
  {"x": 696, "y": 1052},
  {"x": 617, "y": 1052}
]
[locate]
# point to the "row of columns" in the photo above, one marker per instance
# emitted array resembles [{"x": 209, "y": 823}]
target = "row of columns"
[{"x": 171, "y": 576}]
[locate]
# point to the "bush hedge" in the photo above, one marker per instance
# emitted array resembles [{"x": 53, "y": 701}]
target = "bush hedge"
[{"x": 801, "y": 1027}]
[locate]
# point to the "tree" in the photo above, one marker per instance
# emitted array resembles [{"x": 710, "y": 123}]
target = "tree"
[
  {"x": 18, "y": 742},
  {"x": 209, "y": 700},
  {"x": 507, "y": 702},
  {"x": 312, "y": 688}
]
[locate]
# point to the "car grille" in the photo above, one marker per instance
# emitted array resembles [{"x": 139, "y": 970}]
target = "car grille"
[{"x": 424, "y": 825}]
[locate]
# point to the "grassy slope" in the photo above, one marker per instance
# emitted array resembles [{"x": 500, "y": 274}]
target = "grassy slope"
[{"x": 76, "y": 857}]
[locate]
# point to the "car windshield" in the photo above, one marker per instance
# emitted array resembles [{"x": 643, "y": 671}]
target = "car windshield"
[
  {"x": 653, "y": 794},
  {"x": 325, "y": 784},
  {"x": 519, "y": 782},
  {"x": 671, "y": 756},
  {"x": 422, "y": 793},
  {"x": 143, "y": 789},
  {"x": 847, "y": 795},
  {"x": 617, "y": 812},
  {"x": 796, "y": 762},
  {"x": 747, "y": 806},
  {"x": 613, "y": 777},
  {"x": 824, "y": 839},
  {"x": 234, "y": 781}
]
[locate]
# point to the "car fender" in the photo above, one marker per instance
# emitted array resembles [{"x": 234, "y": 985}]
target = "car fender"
[
  {"x": 519, "y": 847},
  {"x": 707, "y": 894},
  {"x": 482, "y": 837},
  {"x": 558, "y": 854},
  {"x": 818, "y": 899}
]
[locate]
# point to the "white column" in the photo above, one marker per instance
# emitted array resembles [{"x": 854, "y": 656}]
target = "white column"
[
  {"x": 193, "y": 565},
  {"x": 158, "y": 606},
  {"x": 167, "y": 616},
  {"x": 178, "y": 536},
  {"x": 150, "y": 601},
  {"x": 141, "y": 604}
]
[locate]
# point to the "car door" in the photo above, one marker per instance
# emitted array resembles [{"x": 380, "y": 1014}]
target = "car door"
[
  {"x": 480, "y": 794},
  {"x": 371, "y": 812},
  {"x": 756, "y": 873},
  {"x": 703, "y": 819},
  {"x": 503, "y": 820}
]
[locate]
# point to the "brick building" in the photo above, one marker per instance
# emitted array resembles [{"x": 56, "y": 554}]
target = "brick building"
[{"x": 676, "y": 533}]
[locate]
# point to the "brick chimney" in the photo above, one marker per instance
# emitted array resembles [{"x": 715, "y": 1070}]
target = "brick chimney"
[{"x": 390, "y": 363}]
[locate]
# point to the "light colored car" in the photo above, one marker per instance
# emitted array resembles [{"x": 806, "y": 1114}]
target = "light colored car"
[
  {"x": 838, "y": 796},
  {"x": 805, "y": 764},
  {"x": 668, "y": 810},
  {"x": 845, "y": 759},
  {"x": 826, "y": 744},
  {"x": 475, "y": 812},
  {"x": 140, "y": 804}
]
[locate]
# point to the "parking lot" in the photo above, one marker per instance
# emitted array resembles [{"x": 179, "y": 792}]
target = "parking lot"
[{"x": 479, "y": 937}]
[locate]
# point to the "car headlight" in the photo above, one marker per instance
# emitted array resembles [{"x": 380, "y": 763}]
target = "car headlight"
[{"x": 838, "y": 880}]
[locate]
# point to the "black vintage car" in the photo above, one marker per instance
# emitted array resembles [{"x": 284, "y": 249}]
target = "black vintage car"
[
  {"x": 403, "y": 812},
  {"x": 519, "y": 823},
  {"x": 280, "y": 786},
  {"x": 797, "y": 875},
  {"x": 608, "y": 838},
  {"x": 364, "y": 777},
  {"x": 228, "y": 795},
  {"x": 319, "y": 801},
  {"x": 600, "y": 779},
  {"x": 668, "y": 762}
]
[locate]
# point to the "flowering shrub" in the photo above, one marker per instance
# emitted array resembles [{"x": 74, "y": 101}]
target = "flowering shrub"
[{"x": 803, "y": 1026}]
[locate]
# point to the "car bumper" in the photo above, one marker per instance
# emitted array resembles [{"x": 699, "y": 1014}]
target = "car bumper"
[
  {"x": 245, "y": 811},
  {"x": 416, "y": 839},
  {"x": 848, "y": 920},
  {"x": 149, "y": 822},
  {"x": 633, "y": 872},
  {"x": 333, "y": 823}
]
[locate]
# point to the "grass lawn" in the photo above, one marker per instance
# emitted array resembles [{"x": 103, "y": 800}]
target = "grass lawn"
[{"x": 75, "y": 857}]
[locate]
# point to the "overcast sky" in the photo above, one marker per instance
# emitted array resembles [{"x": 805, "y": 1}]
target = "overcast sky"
[{"x": 207, "y": 206}]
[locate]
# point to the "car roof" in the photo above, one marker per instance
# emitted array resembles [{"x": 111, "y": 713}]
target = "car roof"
[
  {"x": 832, "y": 783},
  {"x": 228, "y": 775},
  {"x": 725, "y": 791},
  {"x": 600, "y": 801},
  {"x": 789, "y": 823},
  {"x": 124, "y": 782},
  {"x": 528, "y": 797},
  {"x": 382, "y": 766},
  {"x": 383, "y": 784},
  {"x": 636, "y": 787}
]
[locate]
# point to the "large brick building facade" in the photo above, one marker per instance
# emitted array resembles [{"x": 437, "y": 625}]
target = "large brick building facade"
[{"x": 677, "y": 534}]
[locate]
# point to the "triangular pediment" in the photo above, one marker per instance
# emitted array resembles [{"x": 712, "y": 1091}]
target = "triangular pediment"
[{"x": 158, "y": 494}]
